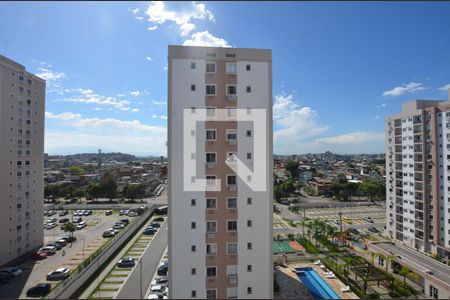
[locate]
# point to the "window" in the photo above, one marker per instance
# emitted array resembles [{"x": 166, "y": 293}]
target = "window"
[
  {"x": 211, "y": 157},
  {"x": 231, "y": 248},
  {"x": 211, "y": 226},
  {"x": 231, "y": 68},
  {"x": 211, "y": 203},
  {"x": 231, "y": 134},
  {"x": 192, "y": 110},
  {"x": 193, "y": 271},
  {"x": 211, "y": 294},
  {"x": 248, "y": 67},
  {"x": 249, "y": 155},
  {"x": 193, "y": 202},
  {"x": 249, "y": 246},
  {"x": 231, "y": 156},
  {"x": 231, "y": 225},
  {"x": 231, "y": 179},
  {"x": 249, "y": 223},
  {"x": 231, "y": 202},
  {"x": 231, "y": 90},
  {"x": 211, "y": 249},
  {"x": 192, "y": 87},
  {"x": 210, "y": 89},
  {"x": 249, "y": 133},
  {"x": 210, "y": 134},
  {"x": 211, "y": 272},
  {"x": 211, "y": 112},
  {"x": 210, "y": 67},
  {"x": 249, "y": 201},
  {"x": 249, "y": 290},
  {"x": 193, "y": 225},
  {"x": 193, "y": 248},
  {"x": 249, "y": 268},
  {"x": 248, "y": 89},
  {"x": 193, "y": 65},
  {"x": 231, "y": 112},
  {"x": 230, "y": 55},
  {"x": 434, "y": 292},
  {"x": 193, "y": 294}
]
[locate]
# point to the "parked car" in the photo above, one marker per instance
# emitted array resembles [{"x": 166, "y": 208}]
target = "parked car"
[
  {"x": 51, "y": 213},
  {"x": 160, "y": 280},
  {"x": 368, "y": 219},
  {"x": 38, "y": 255},
  {"x": 159, "y": 290},
  {"x": 61, "y": 242},
  {"x": 64, "y": 220},
  {"x": 63, "y": 213},
  {"x": 51, "y": 220},
  {"x": 81, "y": 225},
  {"x": 49, "y": 226},
  {"x": 58, "y": 274},
  {"x": 125, "y": 221},
  {"x": 163, "y": 269},
  {"x": 49, "y": 250},
  {"x": 156, "y": 225},
  {"x": 40, "y": 289},
  {"x": 159, "y": 219},
  {"x": 126, "y": 262},
  {"x": 56, "y": 245},
  {"x": 132, "y": 214},
  {"x": 353, "y": 230},
  {"x": 70, "y": 239},
  {"x": 108, "y": 213},
  {"x": 155, "y": 296},
  {"x": 149, "y": 231},
  {"x": 77, "y": 220},
  {"x": 5, "y": 278},
  {"x": 119, "y": 226},
  {"x": 108, "y": 233},
  {"x": 113, "y": 230},
  {"x": 87, "y": 212},
  {"x": 373, "y": 229},
  {"x": 15, "y": 271},
  {"x": 126, "y": 212},
  {"x": 121, "y": 212}
]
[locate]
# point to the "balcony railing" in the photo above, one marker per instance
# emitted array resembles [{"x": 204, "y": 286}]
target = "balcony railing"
[
  {"x": 232, "y": 187},
  {"x": 232, "y": 97},
  {"x": 231, "y": 142},
  {"x": 232, "y": 279}
]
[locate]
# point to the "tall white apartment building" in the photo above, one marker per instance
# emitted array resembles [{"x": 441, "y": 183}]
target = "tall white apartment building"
[
  {"x": 418, "y": 176},
  {"x": 22, "y": 104},
  {"x": 220, "y": 241}
]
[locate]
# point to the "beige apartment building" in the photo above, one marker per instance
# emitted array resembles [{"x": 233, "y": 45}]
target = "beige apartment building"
[
  {"x": 418, "y": 176},
  {"x": 220, "y": 233},
  {"x": 22, "y": 104}
]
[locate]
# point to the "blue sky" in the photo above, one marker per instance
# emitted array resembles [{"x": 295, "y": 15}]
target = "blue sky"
[{"x": 338, "y": 68}]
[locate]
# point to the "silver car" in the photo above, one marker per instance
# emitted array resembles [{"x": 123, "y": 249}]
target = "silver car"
[{"x": 58, "y": 274}]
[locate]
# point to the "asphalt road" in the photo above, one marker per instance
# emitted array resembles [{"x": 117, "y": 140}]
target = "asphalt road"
[{"x": 132, "y": 288}]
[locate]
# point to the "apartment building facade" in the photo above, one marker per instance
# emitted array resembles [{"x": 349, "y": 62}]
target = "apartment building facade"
[
  {"x": 418, "y": 176},
  {"x": 22, "y": 104},
  {"x": 220, "y": 239}
]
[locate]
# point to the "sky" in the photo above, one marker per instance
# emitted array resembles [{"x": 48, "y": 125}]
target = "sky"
[{"x": 338, "y": 67}]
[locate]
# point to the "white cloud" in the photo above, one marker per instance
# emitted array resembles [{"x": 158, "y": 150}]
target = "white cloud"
[
  {"x": 154, "y": 116},
  {"x": 135, "y": 93},
  {"x": 134, "y": 11},
  {"x": 135, "y": 110},
  {"x": 445, "y": 87},
  {"x": 165, "y": 68},
  {"x": 88, "y": 96},
  {"x": 358, "y": 137},
  {"x": 204, "y": 38},
  {"x": 151, "y": 28},
  {"x": 384, "y": 105},
  {"x": 163, "y": 117},
  {"x": 159, "y": 102},
  {"x": 294, "y": 124},
  {"x": 66, "y": 116},
  {"x": 406, "y": 88},
  {"x": 139, "y": 18},
  {"x": 50, "y": 75},
  {"x": 158, "y": 13},
  {"x": 148, "y": 58}
]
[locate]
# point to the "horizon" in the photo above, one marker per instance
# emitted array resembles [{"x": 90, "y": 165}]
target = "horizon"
[{"x": 332, "y": 92}]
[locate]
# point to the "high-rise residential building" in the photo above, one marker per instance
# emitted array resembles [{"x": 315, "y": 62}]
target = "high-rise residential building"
[
  {"x": 418, "y": 176},
  {"x": 22, "y": 99},
  {"x": 220, "y": 236}
]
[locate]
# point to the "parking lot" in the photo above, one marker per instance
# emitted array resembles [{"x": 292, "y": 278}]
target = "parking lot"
[{"x": 89, "y": 239}]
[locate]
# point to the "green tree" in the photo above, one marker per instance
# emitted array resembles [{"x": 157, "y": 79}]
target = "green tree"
[
  {"x": 78, "y": 193},
  {"x": 70, "y": 227},
  {"x": 372, "y": 189},
  {"x": 75, "y": 170},
  {"x": 51, "y": 191},
  {"x": 94, "y": 190},
  {"x": 108, "y": 186},
  {"x": 404, "y": 271},
  {"x": 133, "y": 191},
  {"x": 291, "y": 166}
]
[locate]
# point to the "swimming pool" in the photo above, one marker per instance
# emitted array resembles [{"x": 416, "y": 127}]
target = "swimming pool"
[{"x": 318, "y": 288}]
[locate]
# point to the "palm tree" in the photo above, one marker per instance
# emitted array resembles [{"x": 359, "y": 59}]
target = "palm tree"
[
  {"x": 387, "y": 260},
  {"x": 404, "y": 271}
]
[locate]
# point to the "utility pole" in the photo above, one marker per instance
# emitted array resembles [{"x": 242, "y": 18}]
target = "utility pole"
[
  {"x": 340, "y": 225},
  {"x": 140, "y": 276}
]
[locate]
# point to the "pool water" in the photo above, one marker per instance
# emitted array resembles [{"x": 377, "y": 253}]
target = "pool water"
[{"x": 318, "y": 288}]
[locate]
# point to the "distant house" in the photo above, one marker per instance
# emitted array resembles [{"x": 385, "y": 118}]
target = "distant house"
[
  {"x": 305, "y": 175},
  {"x": 320, "y": 185}
]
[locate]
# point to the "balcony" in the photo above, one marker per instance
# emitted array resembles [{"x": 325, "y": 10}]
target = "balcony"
[
  {"x": 418, "y": 186},
  {"x": 231, "y": 142},
  {"x": 232, "y": 187},
  {"x": 232, "y": 97},
  {"x": 232, "y": 279},
  {"x": 210, "y": 165},
  {"x": 210, "y": 235},
  {"x": 398, "y": 131},
  {"x": 210, "y": 256}
]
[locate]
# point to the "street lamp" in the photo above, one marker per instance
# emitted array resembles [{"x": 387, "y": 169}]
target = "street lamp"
[{"x": 340, "y": 225}]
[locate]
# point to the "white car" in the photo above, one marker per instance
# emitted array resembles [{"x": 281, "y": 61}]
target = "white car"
[
  {"x": 81, "y": 225},
  {"x": 160, "y": 281},
  {"x": 155, "y": 296},
  {"x": 48, "y": 249},
  {"x": 132, "y": 214},
  {"x": 58, "y": 274},
  {"x": 118, "y": 226},
  {"x": 15, "y": 271},
  {"x": 49, "y": 225},
  {"x": 159, "y": 290}
]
